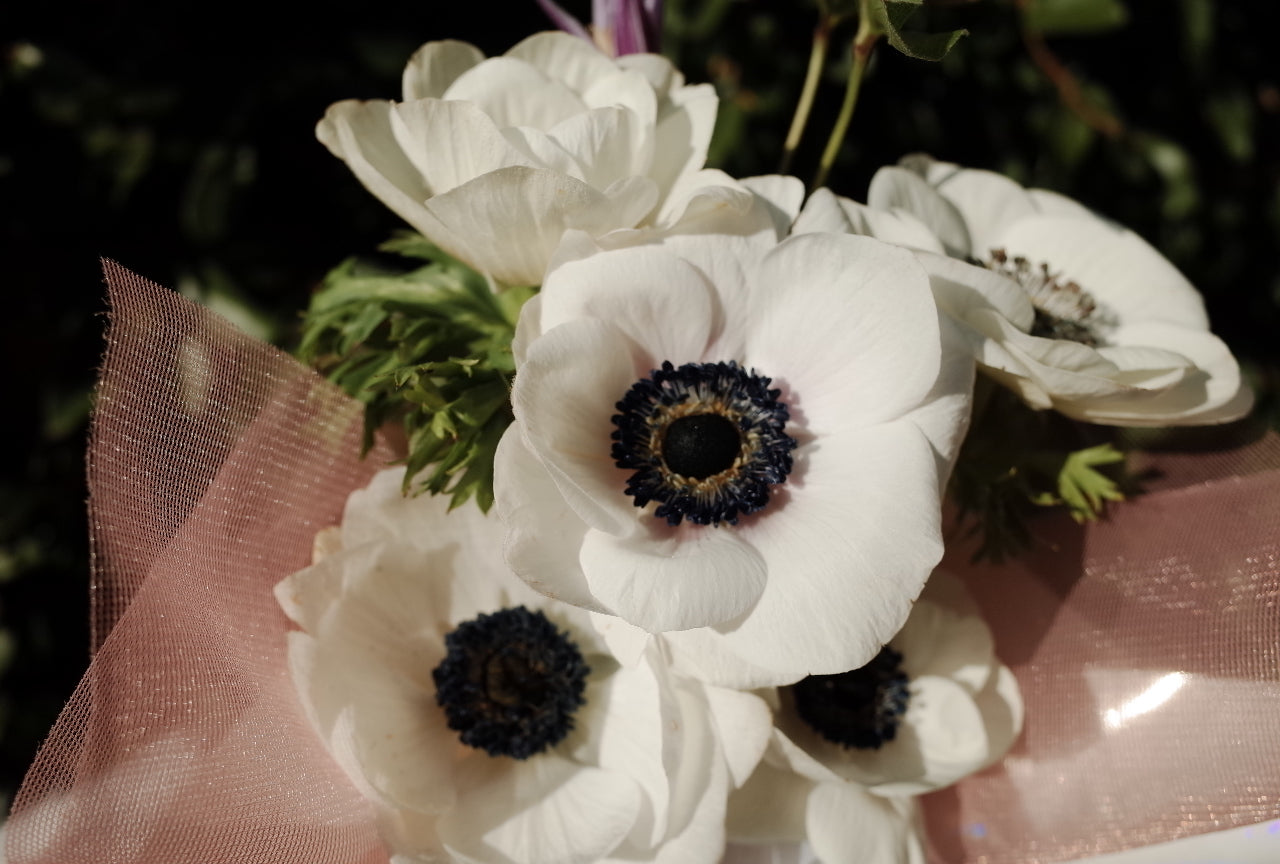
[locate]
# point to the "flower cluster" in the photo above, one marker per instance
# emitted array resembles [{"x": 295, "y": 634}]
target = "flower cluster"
[{"x": 706, "y": 609}]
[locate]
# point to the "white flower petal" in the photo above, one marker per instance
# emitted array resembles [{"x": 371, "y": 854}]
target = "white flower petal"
[
  {"x": 743, "y": 725},
  {"x": 960, "y": 288},
  {"x": 626, "y": 89},
  {"x": 897, "y": 189},
  {"x": 1120, "y": 269},
  {"x": 868, "y": 350},
  {"x": 566, "y": 58},
  {"x": 563, "y": 399},
  {"x": 435, "y": 66},
  {"x": 662, "y": 303},
  {"x": 508, "y": 222},
  {"x": 609, "y": 144},
  {"x": 826, "y": 212},
  {"x": 543, "y": 533},
  {"x": 360, "y": 134},
  {"x": 770, "y": 807},
  {"x": 683, "y": 134},
  {"x": 847, "y": 825},
  {"x": 452, "y": 142},
  {"x": 541, "y": 810},
  {"x": 847, "y": 548},
  {"x": 950, "y": 733},
  {"x": 782, "y": 196},
  {"x": 514, "y": 93},
  {"x": 988, "y": 203},
  {"x": 945, "y": 635},
  {"x": 662, "y": 578}
]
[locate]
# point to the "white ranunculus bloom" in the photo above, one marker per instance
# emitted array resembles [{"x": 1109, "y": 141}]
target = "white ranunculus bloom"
[
  {"x": 493, "y": 159},
  {"x": 739, "y": 440},
  {"x": 1087, "y": 318},
  {"x": 491, "y": 723},
  {"x": 852, "y": 750}
]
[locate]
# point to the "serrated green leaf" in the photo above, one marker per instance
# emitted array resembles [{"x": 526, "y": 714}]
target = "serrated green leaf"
[
  {"x": 890, "y": 17},
  {"x": 1084, "y": 490},
  {"x": 1074, "y": 17}
]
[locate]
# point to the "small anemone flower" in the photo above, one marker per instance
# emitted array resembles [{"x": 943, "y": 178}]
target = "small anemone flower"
[
  {"x": 494, "y": 159},
  {"x": 488, "y": 723},
  {"x": 736, "y": 443},
  {"x": 1085, "y": 316},
  {"x": 932, "y": 707}
]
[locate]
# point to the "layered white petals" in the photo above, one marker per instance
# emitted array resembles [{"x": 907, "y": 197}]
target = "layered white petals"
[
  {"x": 1137, "y": 375},
  {"x": 963, "y": 710},
  {"x": 848, "y": 331},
  {"x": 641, "y": 768},
  {"x": 601, "y": 145}
]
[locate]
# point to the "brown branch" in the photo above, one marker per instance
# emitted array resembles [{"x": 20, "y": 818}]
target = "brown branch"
[{"x": 1068, "y": 87}]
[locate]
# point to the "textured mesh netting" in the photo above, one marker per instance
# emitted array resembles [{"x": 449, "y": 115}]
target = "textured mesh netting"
[
  {"x": 214, "y": 460},
  {"x": 1147, "y": 648}
]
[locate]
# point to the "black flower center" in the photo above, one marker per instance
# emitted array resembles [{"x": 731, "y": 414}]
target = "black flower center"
[
  {"x": 1063, "y": 310},
  {"x": 510, "y": 682},
  {"x": 859, "y": 709},
  {"x": 704, "y": 440}
]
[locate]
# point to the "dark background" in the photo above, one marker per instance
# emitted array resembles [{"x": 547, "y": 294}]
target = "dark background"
[{"x": 187, "y": 153}]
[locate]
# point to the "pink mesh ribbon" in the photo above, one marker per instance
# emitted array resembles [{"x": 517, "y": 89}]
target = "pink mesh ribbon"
[
  {"x": 214, "y": 461},
  {"x": 1147, "y": 648}
]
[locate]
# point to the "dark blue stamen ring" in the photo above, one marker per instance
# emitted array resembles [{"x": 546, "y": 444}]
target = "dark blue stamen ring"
[
  {"x": 510, "y": 682},
  {"x": 704, "y": 440},
  {"x": 860, "y": 709}
]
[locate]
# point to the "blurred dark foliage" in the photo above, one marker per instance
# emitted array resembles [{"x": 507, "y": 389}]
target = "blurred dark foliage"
[{"x": 179, "y": 141}]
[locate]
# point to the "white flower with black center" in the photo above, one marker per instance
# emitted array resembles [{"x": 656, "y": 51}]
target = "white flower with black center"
[
  {"x": 493, "y": 159},
  {"x": 738, "y": 440},
  {"x": 489, "y": 723},
  {"x": 852, "y": 749},
  {"x": 1084, "y": 317}
]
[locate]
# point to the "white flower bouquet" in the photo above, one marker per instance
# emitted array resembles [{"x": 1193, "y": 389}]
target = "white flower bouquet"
[{"x": 701, "y": 589}]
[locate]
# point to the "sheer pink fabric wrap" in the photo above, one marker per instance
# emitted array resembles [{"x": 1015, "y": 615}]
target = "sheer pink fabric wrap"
[
  {"x": 1146, "y": 647},
  {"x": 214, "y": 460}
]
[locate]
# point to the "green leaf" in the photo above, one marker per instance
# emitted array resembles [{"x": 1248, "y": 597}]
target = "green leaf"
[
  {"x": 1085, "y": 490},
  {"x": 890, "y": 18},
  {"x": 1074, "y": 17}
]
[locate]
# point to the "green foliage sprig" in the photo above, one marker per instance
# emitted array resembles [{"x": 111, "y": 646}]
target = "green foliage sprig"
[
  {"x": 426, "y": 346},
  {"x": 1016, "y": 460}
]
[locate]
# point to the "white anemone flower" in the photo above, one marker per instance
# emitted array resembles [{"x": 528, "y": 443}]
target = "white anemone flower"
[
  {"x": 739, "y": 444},
  {"x": 489, "y": 723},
  {"x": 493, "y": 159},
  {"x": 1088, "y": 319},
  {"x": 852, "y": 750}
]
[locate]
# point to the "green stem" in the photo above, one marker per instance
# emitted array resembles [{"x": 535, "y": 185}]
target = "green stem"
[
  {"x": 817, "y": 59},
  {"x": 863, "y": 43}
]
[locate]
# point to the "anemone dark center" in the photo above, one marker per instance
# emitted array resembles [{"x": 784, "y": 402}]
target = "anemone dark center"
[
  {"x": 1063, "y": 310},
  {"x": 859, "y": 709},
  {"x": 700, "y": 445},
  {"x": 706, "y": 441},
  {"x": 510, "y": 682}
]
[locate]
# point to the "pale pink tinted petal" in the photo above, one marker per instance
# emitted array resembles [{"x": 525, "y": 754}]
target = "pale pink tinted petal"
[
  {"x": 542, "y": 810},
  {"x": 564, "y": 398},
  {"x": 435, "y": 66},
  {"x": 514, "y": 93},
  {"x": 897, "y": 189},
  {"x": 847, "y": 325},
  {"x": 661, "y": 578},
  {"x": 1121, "y": 270},
  {"x": 848, "y": 549},
  {"x": 543, "y": 533}
]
